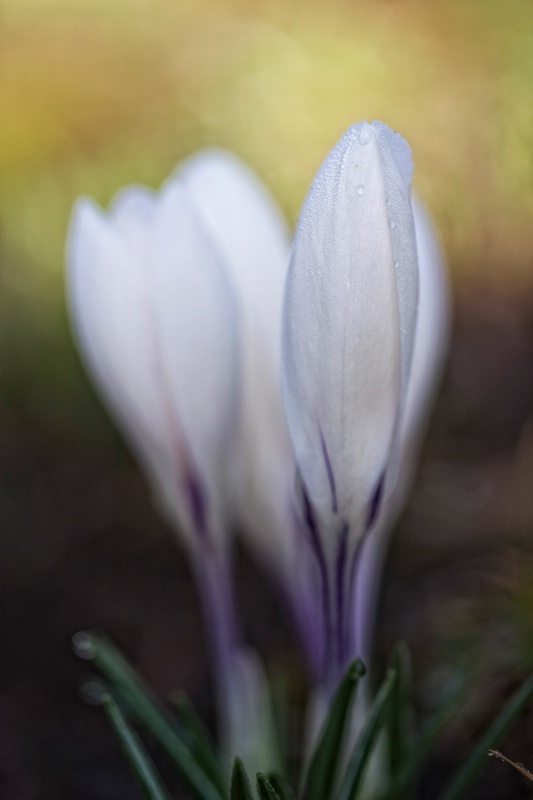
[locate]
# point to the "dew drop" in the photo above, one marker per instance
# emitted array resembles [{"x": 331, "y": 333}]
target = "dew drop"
[
  {"x": 360, "y": 190},
  {"x": 519, "y": 764},
  {"x": 396, "y": 265},
  {"x": 392, "y": 224},
  {"x": 366, "y": 134}
]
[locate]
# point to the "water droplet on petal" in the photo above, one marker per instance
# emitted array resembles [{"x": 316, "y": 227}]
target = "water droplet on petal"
[
  {"x": 360, "y": 190},
  {"x": 366, "y": 134},
  {"x": 392, "y": 224},
  {"x": 396, "y": 265}
]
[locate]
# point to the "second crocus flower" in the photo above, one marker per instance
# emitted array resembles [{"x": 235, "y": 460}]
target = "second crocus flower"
[
  {"x": 156, "y": 311},
  {"x": 348, "y": 331}
]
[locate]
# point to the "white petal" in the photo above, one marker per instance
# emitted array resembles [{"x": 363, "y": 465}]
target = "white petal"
[
  {"x": 108, "y": 302},
  {"x": 400, "y": 151},
  {"x": 132, "y": 215},
  {"x": 133, "y": 207},
  {"x": 432, "y": 327},
  {"x": 251, "y": 237},
  {"x": 107, "y": 291},
  {"x": 195, "y": 324},
  {"x": 243, "y": 220},
  {"x": 342, "y": 347},
  {"x": 397, "y": 174},
  {"x": 430, "y": 346},
  {"x": 158, "y": 336}
]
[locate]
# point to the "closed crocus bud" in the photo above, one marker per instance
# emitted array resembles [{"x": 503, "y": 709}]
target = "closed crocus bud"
[
  {"x": 156, "y": 321},
  {"x": 348, "y": 331}
]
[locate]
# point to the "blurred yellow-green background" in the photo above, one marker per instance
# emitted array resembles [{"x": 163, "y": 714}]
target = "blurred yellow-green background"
[{"x": 95, "y": 95}]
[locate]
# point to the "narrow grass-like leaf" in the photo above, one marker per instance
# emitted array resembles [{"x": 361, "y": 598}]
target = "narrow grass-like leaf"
[
  {"x": 143, "y": 706},
  {"x": 489, "y": 741},
  {"x": 326, "y": 758},
  {"x": 196, "y": 736},
  {"x": 400, "y": 717},
  {"x": 240, "y": 788},
  {"x": 281, "y": 786},
  {"x": 425, "y": 740},
  {"x": 265, "y": 789},
  {"x": 363, "y": 749},
  {"x": 140, "y": 762}
]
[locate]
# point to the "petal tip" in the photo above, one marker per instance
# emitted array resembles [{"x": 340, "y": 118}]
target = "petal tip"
[{"x": 400, "y": 150}]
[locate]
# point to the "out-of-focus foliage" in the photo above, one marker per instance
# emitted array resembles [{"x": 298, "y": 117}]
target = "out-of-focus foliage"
[{"x": 96, "y": 94}]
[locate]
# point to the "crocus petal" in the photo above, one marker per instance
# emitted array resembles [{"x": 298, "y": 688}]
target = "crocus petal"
[
  {"x": 432, "y": 329},
  {"x": 132, "y": 215},
  {"x": 196, "y": 325},
  {"x": 349, "y": 316},
  {"x": 252, "y": 238},
  {"x": 106, "y": 287},
  {"x": 430, "y": 347},
  {"x": 143, "y": 299}
]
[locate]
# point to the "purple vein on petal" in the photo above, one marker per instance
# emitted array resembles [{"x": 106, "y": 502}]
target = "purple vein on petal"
[
  {"x": 340, "y": 598},
  {"x": 354, "y": 575},
  {"x": 329, "y": 472},
  {"x": 316, "y": 546},
  {"x": 186, "y": 475},
  {"x": 197, "y": 501},
  {"x": 375, "y": 502},
  {"x": 373, "y": 510}
]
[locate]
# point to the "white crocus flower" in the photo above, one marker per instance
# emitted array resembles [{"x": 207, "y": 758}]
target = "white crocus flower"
[
  {"x": 155, "y": 317},
  {"x": 178, "y": 300},
  {"x": 348, "y": 331},
  {"x": 156, "y": 314}
]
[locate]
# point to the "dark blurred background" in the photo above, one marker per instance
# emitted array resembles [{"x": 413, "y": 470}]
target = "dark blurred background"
[{"x": 95, "y": 95}]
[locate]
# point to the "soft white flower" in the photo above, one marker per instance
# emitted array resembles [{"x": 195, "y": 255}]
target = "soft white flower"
[
  {"x": 156, "y": 289},
  {"x": 348, "y": 331},
  {"x": 156, "y": 320},
  {"x": 190, "y": 323},
  {"x": 350, "y": 313}
]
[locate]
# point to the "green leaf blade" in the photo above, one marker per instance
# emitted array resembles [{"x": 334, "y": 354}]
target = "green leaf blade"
[
  {"x": 139, "y": 760},
  {"x": 401, "y": 715},
  {"x": 199, "y": 742},
  {"x": 143, "y": 706},
  {"x": 324, "y": 763},
  {"x": 265, "y": 789},
  {"x": 240, "y": 788},
  {"x": 281, "y": 786},
  {"x": 425, "y": 740},
  {"x": 363, "y": 750}
]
